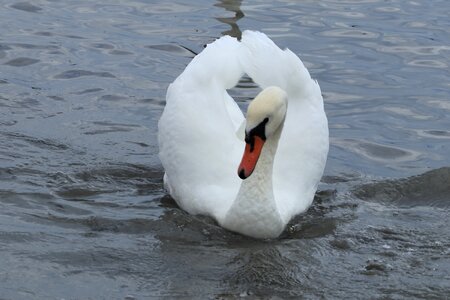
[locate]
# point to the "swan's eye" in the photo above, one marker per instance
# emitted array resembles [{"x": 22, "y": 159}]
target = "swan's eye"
[{"x": 259, "y": 131}]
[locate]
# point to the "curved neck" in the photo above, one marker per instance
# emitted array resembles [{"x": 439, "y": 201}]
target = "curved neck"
[{"x": 254, "y": 211}]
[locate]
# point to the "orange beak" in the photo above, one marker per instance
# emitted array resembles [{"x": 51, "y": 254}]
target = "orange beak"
[{"x": 250, "y": 157}]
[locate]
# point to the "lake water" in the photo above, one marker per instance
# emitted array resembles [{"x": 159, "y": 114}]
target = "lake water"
[{"x": 83, "y": 214}]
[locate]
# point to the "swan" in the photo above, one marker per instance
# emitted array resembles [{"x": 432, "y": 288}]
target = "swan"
[{"x": 253, "y": 174}]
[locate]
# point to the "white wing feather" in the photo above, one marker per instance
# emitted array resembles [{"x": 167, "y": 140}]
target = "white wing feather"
[{"x": 197, "y": 130}]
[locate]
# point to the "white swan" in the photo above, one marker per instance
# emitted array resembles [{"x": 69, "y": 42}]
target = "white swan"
[{"x": 201, "y": 137}]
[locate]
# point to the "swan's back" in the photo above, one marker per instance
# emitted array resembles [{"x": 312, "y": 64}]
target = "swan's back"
[{"x": 199, "y": 148}]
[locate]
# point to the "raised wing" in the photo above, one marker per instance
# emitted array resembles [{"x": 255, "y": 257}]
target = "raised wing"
[
  {"x": 303, "y": 145},
  {"x": 199, "y": 148}
]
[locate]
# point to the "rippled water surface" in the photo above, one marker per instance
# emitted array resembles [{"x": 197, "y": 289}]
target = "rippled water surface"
[{"x": 83, "y": 214}]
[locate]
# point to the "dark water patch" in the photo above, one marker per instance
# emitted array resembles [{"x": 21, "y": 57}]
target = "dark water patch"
[
  {"x": 102, "y": 127},
  {"x": 102, "y": 46},
  {"x": 94, "y": 258},
  {"x": 21, "y": 62},
  {"x": 34, "y": 47},
  {"x": 145, "y": 145},
  {"x": 23, "y": 102},
  {"x": 440, "y": 133},
  {"x": 376, "y": 267},
  {"x": 177, "y": 227},
  {"x": 2, "y": 81},
  {"x": 110, "y": 130},
  {"x": 14, "y": 172},
  {"x": 25, "y": 6},
  {"x": 8, "y": 123},
  {"x": 303, "y": 228},
  {"x": 43, "y": 143},
  {"x": 130, "y": 179},
  {"x": 7, "y": 174},
  {"x": 341, "y": 178},
  {"x": 318, "y": 221},
  {"x": 80, "y": 73},
  {"x": 108, "y": 123},
  {"x": 428, "y": 189},
  {"x": 341, "y": 244},
  {"x": 122, "y": 172},
  {"x": 246, "y": 83},
  {"x": 27, "y": 200},
  {"x": 100, "y": 224},
  {"x": 77, "y": 37},
  {"x": 156, "y": 102},
  {"x": 264, "y": 271},
  {"x": 4, "y": 47},
  {"x": 93, "y": 90},
  {"x": 18, "y": 237},
  {"x": 120, "y": 52},
  {"x": 168, "y": 202},
  {"x": 44, "y": 33},
  {"x": 437, "y": 134},
  {"x": 81, "y": 192},
  {"x": 56, "y": 98},
  {"x": 28, "y": 102},
  {"x": 86, "y": 200},
  {"x": 312, "y": 224},
  {"x": 112, "y": 98}
]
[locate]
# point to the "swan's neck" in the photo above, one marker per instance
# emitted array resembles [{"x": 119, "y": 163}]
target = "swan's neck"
[{"x": 254, "y": 211}]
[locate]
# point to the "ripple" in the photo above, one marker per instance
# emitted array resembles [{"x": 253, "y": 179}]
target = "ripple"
[
  {"x": 44, "y": 33},
  {"x": 4, "y": 47},
  {"x": 109, "y": 130},
  {"x": 407, "y": 112},
  {"x": 102, "y": 46},
  {"x": 350, "y": 33},
  {"x": 21, "y": 62},
  {"x": 120, "y": 52},
  {"x": 80, "y": 73},
  {"x": 265, "y": 270},
  {"x": 437, "y": 134},
  {"x": 388, "y": 9},
  {"x": 35, "y": 141},
  {"x": 112, "y": 98},
  {"x": 439, "y": 103},
  {"x": 376, "y": 151},
  {"x": 428, "y": 63},
  {"x": 25, "y": 6},
  {"x": 87, "y": 91},
  {"x": 33, "y": 46},
  {"x": 417, "y": 50},
  {"x": 428, "y": 189}
]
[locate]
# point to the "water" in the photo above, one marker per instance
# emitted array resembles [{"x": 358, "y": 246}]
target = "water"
[{"x": 83, "y": 214}]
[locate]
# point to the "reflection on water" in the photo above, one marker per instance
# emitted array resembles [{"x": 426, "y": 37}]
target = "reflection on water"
[
  {"x": 83, "y": 214},
  {"x": 233, "y": 6}
]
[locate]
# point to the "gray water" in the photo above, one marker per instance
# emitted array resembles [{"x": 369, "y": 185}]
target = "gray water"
[{"x": 83, "y": 214}]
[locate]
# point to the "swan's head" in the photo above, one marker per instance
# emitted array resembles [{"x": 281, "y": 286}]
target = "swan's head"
[{"x": 265, "y": 117}]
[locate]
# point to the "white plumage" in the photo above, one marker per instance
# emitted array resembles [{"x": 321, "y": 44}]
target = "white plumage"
[{"x": 201, "y": 137}]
